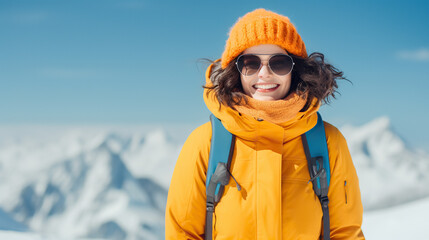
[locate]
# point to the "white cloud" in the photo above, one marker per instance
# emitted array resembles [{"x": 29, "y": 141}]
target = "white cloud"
[{"x": 421, "y": 54}]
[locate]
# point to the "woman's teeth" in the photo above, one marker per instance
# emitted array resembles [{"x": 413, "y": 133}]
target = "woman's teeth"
[{"x": 265, "y": 86}]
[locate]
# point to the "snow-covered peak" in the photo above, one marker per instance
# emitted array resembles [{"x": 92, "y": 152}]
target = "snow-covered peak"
[
  {"x": 86, "y": 194},
  {"x": 82, "y": 180},
  {"x": 376, "y": 126},
  {"x": 157, "y": 137},
  {"x": 386, "y": 167},
  {"x": 376, "y": 140}
]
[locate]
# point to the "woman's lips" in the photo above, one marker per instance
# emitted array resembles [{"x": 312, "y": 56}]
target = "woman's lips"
[{"x": 266, "y": 87}]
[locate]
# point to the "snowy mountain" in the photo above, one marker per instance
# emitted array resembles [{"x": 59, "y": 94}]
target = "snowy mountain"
[
  {"x": 111, "y": 182},
  {"x": 390, "y": 172},
  {"x": 86, "y": 183}
]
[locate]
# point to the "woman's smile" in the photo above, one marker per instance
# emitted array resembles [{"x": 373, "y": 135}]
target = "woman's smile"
[{"x": 266, "y": 87}]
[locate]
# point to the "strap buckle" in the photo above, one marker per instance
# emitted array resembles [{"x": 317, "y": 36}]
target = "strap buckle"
[
  {"x": 209, "y": 207},
  {"x": 324, "y": 201}
]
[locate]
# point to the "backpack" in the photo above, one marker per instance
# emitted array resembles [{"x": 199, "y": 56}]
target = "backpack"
[{"x": 221, "y": 151}]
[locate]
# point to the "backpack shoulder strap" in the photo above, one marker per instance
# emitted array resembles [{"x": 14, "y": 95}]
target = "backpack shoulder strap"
[
  {"x": 221, "y": 151},
  {"x": 316, "y": 152}
]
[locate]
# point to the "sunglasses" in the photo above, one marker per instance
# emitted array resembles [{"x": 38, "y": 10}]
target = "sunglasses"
[{"x": 249, "y": 64}]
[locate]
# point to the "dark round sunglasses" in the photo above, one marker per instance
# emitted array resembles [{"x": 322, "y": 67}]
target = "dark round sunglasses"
[{"x": 249, "y": 64}]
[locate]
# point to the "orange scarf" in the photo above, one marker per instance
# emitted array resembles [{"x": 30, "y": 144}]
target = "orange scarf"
[{"x": 277, "y": 112}]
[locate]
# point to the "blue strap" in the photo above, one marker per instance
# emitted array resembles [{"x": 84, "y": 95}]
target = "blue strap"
[
  {"x": 220, "y": 149},
  {"x": 316, "y": 152},
  {"x": 317, "y": 146}
]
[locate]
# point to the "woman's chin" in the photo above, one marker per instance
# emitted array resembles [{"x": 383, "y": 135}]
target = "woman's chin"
[{"x": 264, "y": 98}]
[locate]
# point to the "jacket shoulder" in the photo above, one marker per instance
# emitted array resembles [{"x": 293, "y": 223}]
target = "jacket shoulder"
[
  {"x": 333, "y": 134},
  {"x": 197, "y": 145},
  {"x": 337, "y": 144},
  {"x": 339, "y": 154},
  {"x": 201, "y": 136}
]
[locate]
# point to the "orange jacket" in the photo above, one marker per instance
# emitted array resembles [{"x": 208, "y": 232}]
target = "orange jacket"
[{"x": 276, "y": 201}]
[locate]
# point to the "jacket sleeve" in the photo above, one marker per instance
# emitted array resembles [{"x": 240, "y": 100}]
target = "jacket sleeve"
[
  {"x": 345, "y": 205},
  {"x": 186, "y": 203}
]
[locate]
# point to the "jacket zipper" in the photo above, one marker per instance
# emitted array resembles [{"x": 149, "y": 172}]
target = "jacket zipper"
[{"x": 345, "y": 189}]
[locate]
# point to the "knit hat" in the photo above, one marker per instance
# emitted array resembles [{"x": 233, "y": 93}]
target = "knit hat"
[{"x": 262, "y": 27}]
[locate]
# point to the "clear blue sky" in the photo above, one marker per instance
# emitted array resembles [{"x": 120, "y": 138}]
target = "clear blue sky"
[{"x": 136, "y": 62}]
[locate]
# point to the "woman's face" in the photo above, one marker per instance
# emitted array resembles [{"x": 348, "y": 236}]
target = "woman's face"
[{"x": 266, "y": 85}]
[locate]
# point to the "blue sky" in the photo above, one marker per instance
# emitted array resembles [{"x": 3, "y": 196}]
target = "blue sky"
[{"x": 136, "y": 62}]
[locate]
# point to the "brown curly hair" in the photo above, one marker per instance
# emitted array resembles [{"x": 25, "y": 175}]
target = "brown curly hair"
[{"x": 312, "y": 77}]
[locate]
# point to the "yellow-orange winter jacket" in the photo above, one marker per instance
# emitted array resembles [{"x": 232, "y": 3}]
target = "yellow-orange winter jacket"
[{"x": 277, "y": 200}]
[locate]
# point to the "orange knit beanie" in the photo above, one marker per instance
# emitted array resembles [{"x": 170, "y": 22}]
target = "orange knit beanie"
[{"x": 262, "y": 27}]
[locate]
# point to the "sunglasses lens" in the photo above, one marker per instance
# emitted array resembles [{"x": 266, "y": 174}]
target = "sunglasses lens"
[
  {"x": 281, "y": 64},
  {"x": 248, "y": 64}
]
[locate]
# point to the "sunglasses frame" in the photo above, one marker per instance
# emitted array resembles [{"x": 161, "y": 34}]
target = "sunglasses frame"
[{"x": 268, "y": 63}]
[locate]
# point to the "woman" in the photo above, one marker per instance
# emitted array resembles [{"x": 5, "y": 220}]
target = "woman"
[{"x": 266, "y": 91}]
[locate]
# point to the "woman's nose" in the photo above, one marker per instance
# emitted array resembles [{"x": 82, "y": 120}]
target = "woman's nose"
[{"x": 264, "y": 71}]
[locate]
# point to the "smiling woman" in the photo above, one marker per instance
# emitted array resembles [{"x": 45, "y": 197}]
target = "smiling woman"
[{"x": 266, "y": 92}]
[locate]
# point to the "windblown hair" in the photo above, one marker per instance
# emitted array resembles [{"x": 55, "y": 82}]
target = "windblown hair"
[{"x": 312, "y": 77}]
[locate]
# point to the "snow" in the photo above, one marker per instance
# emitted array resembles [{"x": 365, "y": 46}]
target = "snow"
[
  {"x": 407, "y": 221},
  {"x": 111, "y": 181},
  {"x": 12, "y": 235}
]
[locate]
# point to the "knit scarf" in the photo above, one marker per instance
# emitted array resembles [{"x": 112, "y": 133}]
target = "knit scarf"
[{"x": 278, "y": 111}]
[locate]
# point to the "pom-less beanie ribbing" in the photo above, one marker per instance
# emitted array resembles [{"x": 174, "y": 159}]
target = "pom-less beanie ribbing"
[{"x": 262, "y": 27}]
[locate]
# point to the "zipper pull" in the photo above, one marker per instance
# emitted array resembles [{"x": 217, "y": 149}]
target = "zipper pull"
[{"x": 238, "y": 185}]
